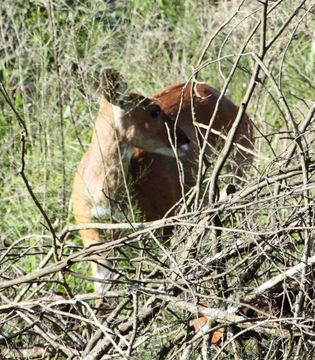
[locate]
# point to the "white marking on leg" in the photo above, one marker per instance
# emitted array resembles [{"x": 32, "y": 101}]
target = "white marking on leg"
[{"x": 101, "y": 270}]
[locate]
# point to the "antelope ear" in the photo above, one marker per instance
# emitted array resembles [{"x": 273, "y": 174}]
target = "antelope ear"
[{"x": 112, "y": 86}]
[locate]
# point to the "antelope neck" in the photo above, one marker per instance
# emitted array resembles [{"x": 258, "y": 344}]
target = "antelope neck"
[{"x": 109, "y": 151}]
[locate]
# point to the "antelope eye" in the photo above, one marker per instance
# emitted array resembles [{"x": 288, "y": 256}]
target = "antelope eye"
[{"x": 155, "y": 112}]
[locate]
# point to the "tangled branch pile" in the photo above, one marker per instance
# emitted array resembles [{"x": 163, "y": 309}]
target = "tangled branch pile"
[{"x": 239, "y": 267}]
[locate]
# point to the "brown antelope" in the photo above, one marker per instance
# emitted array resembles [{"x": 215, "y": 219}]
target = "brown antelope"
[
  {"x": 123, "y": 122},
  {"x": 135, "y": 127},
  {"x": 158, "y": 189}
]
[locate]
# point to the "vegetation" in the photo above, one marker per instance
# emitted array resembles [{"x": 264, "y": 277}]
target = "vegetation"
[{"x": 271, "y": 218}]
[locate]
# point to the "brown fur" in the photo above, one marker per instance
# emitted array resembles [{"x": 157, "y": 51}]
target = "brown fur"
[{"x": 156, "y": 177}]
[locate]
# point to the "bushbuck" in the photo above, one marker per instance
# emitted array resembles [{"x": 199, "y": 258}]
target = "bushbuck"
[
  {"x": 131, "y": 133},
  {"x": 124, "y": 121}
]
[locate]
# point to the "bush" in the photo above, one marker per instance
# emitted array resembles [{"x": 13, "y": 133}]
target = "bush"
[{"x": 252, "y": 275}]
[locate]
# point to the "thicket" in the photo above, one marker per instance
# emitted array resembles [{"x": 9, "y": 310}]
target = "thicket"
[{"x": 259, "y": 284}]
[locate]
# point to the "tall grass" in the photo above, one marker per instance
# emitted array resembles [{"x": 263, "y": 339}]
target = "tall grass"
[{"x": 152, "y": 44}]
